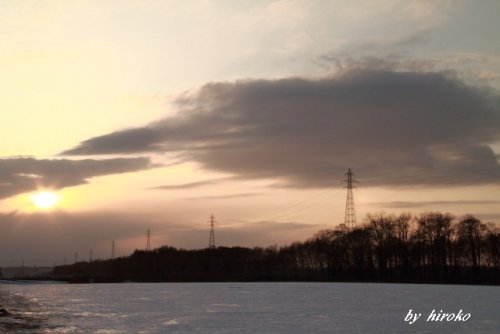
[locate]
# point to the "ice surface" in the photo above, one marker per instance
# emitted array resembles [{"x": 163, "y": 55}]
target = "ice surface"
[{"x": 244, "y": 308}]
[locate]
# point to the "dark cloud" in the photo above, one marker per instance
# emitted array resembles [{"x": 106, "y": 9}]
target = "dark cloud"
[
  {"x": 404, "y": 204},
  {"x": 23, "y": 174},
  {"x": 392, "y": 128}
]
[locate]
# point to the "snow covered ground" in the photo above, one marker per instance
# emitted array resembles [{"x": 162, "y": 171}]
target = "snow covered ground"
[{"x": 244, "y": 308}]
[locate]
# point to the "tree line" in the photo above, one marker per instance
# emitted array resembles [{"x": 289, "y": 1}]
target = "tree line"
[{"x": 431, "y": 247}]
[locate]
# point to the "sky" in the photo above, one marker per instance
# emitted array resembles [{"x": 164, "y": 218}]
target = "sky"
[{"x": 156, "y": 114}]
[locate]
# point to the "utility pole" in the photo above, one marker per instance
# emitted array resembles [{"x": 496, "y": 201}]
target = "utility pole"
[
  {"x": 113, "y": 249},
  {"x": 76, "y": 257},
  {"x": 148, "y": 241},
  {"x": 350, "y": 212},
  {"x": 211, "y": 239},
  {"x": 90, "y": 255}
]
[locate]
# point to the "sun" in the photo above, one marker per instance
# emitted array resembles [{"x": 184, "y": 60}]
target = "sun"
[{"x": 45, "y": 199}]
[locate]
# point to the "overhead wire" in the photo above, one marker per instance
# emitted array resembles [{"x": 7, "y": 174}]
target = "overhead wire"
[{"x": 475, "y": 172}]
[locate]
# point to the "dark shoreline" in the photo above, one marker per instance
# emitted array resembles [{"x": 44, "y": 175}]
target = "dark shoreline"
[{"x": 93, "y": 281}]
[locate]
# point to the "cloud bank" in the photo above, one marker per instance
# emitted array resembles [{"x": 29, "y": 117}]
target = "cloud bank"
[
  {"x": 22, "y": 174},
  {"x": 394, "y": 128},
  {"x": 44, "y": 239}
]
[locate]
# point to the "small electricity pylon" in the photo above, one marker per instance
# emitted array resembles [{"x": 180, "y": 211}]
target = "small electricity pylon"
[
  {"x": 350, "y": 212},
  {"x": 211, "y": 239},
  {"x": 148, "y": 241}
]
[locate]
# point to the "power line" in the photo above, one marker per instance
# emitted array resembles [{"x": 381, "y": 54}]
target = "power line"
[
  {"x": 298, "y": 209},
  {"x": 285, "y": 209},
  {"x": 443, "y": 168}
]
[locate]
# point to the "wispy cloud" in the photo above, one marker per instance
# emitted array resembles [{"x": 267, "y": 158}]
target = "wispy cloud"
[
  {"x": 400, "y": 52},
  {"x": 387, "y": 52},
  {"x": 251, "y": 234},
  {"x": 191, "y": 185},
  {"x": 230, "y": 196},
  {"x": 489, "y": 216},
  {"x": 403, "y": 204}
]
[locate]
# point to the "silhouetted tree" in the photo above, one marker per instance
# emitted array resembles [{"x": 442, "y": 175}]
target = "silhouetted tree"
[
  {"x": 434, "y": 234},
  {"x": 430, "y": 247},
  {"x": 470, "y": 232}
]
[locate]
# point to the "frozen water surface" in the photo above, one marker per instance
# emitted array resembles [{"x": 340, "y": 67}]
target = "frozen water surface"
[{"x": 244, "y": 308}]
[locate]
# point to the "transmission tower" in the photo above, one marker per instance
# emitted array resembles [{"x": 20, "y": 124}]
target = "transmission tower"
[
  {"x": 211, "y": 239},
  {"x": 148, "y": 241},
  {"x": 350, "y": 212}
]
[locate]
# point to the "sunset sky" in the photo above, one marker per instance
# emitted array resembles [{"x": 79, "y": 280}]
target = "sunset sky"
[{"x": 155, "y": 114}]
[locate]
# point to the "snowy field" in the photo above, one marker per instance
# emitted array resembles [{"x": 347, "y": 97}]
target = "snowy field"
[{"x": 244, "y": 308}]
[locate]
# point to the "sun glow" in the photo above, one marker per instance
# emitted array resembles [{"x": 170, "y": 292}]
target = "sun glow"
[{"x": 45, "y": 199}]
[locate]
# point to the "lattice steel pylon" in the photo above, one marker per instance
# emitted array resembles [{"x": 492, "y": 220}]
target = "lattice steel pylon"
[
  {"x": 211, "y": 239},
  {"x": 148, "y": 241},
  {"x": 350, "y": 212}
]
